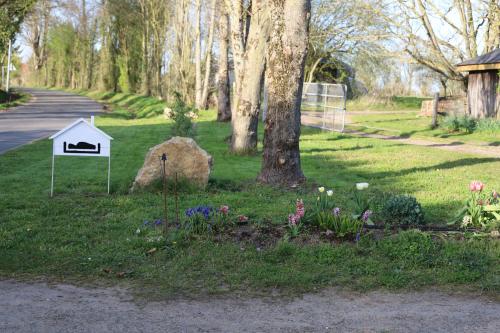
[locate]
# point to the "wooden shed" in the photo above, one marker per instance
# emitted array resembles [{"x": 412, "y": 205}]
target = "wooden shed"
[{"x": 483, "y": 96}]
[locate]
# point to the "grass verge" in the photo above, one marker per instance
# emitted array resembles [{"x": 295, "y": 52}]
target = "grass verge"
[
  {"x": 8, "y": 100},
  {"x": 84, "y": 235}
]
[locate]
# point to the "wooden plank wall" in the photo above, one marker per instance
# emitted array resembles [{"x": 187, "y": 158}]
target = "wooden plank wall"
[{"x": 482, "y": 94}]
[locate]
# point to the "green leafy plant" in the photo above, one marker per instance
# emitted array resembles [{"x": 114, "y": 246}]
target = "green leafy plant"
[
  {"x": 361, "y": 203},
  {"x": 481, "y": 210},
  {"x": 182, "y": 115},
  {"x": 206, "y": 219},
  {"x": 460, "y": 124},
  {"x": 325, "y": 199},
  {"x": 342, "y": 225},
  {"x": 402, "y": 210}
]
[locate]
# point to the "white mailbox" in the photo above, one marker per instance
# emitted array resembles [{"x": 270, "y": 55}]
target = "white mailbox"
[{"x": 81, "y": 139}]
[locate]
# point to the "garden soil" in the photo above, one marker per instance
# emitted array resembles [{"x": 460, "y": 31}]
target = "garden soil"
[{"x": 39, "y": 307}]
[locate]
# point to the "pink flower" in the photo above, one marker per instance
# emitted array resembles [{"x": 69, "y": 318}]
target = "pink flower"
[
  {"x": 476, "y": 186},
  {"x": 494, "y": 194},
  {"x": 224, "y": 209},
  {"x": 293, "y": 219},
  {"x": 299, "y": 208},
  {"x": 242, "y": 218}
]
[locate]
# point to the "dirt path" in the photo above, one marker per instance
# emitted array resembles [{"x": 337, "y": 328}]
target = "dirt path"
[
  {"x": 63, "y": 308},
  {"x": 315, "y": 120}
]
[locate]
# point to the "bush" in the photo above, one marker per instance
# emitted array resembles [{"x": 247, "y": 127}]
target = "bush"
[
  {"x": 460, "y": 124},
  {"x": 342, "y": 225},
  {"x": 488, "y": 125},
  {"x": 181, "y": 112},
  {"x": 403, "y": 210},
  {"x": 467, "y": 124}
]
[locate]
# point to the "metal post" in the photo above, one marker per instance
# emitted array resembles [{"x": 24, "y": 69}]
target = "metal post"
[
  {"x": 164, "y": 178},
  {"x": 435, "y": 107},
  {"x": 109, "y": 170},
  {"x": 324, "y": 109},
  {"x": 3, "y": 76},
  {"x": 8, "y": 66},
  {"x": 344, "y": 92},
  {"x": 52, "y": 180}
]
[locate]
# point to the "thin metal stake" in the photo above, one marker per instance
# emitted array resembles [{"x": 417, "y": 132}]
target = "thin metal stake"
[
  {"x": 176, "y": 201},
  {"x": 164, "y": 174},
  {"x": 109, "y": 170},
  {"x": 52, "y": 179}
]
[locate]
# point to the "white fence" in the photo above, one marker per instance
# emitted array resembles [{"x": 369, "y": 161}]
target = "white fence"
[{"x": 323, "y": 105}]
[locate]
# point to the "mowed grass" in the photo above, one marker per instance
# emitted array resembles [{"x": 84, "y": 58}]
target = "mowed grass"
[
  {"x": 84, "y": 234},
  {"x": 389, "y": 103},
  {"x": 412, "y": 124}
]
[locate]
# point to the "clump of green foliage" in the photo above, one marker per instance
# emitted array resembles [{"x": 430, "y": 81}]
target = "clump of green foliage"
[
  {"x": 460, "y": 124},
  {"x": 182, "y": 116},
  {"x": 403, "y": 210}
]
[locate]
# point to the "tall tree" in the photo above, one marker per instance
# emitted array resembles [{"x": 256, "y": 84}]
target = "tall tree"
[
  {"x": 223, "y": 88},
  {"x": 249, "y": 63},
  {"x": 440, "y": 33},
  {"x": 286, "y": 55}
]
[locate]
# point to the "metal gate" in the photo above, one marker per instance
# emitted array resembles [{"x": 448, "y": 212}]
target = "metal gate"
[{"x": 324, "y": 105}]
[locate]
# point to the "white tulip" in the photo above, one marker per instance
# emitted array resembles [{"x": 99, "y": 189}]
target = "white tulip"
[
  {"x": 329, "y": 193},
  {"x": 321, "y": 189}
]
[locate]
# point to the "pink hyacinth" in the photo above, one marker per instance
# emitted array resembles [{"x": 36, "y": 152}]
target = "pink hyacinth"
[
  {"x": 299, "y": 208},
  {"x": 293, "y": 219},
  {"x": 476, "y": 186},
  {"x": 224, "y": 209},
  {"x": 494, "y": 194}
]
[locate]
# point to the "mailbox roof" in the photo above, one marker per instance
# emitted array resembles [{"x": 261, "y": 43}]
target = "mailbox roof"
[{"x": 70, "y": 126}]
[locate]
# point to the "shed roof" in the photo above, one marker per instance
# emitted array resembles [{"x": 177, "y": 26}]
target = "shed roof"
[
  {"x": 487, "y": 61},
  {"x": 81, "y": 120}
]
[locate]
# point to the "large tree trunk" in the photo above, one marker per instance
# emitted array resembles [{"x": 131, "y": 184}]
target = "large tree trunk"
[
  {"x": 286, "y": 55},
  {"x": 245, "y": 117},
  {"x": 208, "y": 58},
  {"x": 223, "y": 95},
  {"x": 197, "y": 55}
]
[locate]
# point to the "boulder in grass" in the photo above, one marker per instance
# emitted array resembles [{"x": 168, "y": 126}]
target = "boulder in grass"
[{"x": 184, "y": 157}]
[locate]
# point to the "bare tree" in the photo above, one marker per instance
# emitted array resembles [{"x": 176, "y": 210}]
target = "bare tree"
[
  {"x": 440, "y": 47},
  {"x": 208, "y": 58},
  {"x": 249, "y": 62},
  {"x": 223, "y": 89},
  {"x": 286, "y": 55}
]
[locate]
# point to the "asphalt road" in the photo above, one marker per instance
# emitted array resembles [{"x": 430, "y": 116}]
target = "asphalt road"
[{"x": 46, "y": 113}]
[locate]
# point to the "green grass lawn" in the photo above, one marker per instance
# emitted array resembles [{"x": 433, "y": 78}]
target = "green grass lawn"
[
  {"x": 83, "y": 234},
  {"x": 411, "y": 124},
  {"x": 392, "y": 103}
]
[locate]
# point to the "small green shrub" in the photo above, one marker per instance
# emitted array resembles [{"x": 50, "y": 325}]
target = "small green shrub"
[
  {"x": 342, "y": 225},
  {"x": 467, "y": 124},
  {"x": 181, "y": 115},
  {"x": 451, "y": 124},
  {"x": 459, "y": 124},
  {"x": 488, "y": 125},
  {"x": 402, "y": 210}
]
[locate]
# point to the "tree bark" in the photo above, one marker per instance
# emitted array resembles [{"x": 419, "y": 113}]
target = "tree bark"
[
  {"x": 208, "y": 59},
  {"x": 197, "y": 55},
  {"x": 286, "y": 55},
  {"x": 245, "y": 117},
  {"x": 223, "y": 95}
]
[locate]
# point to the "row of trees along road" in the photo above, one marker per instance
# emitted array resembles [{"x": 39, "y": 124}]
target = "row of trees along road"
[{"x": 228, "y": 48}]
